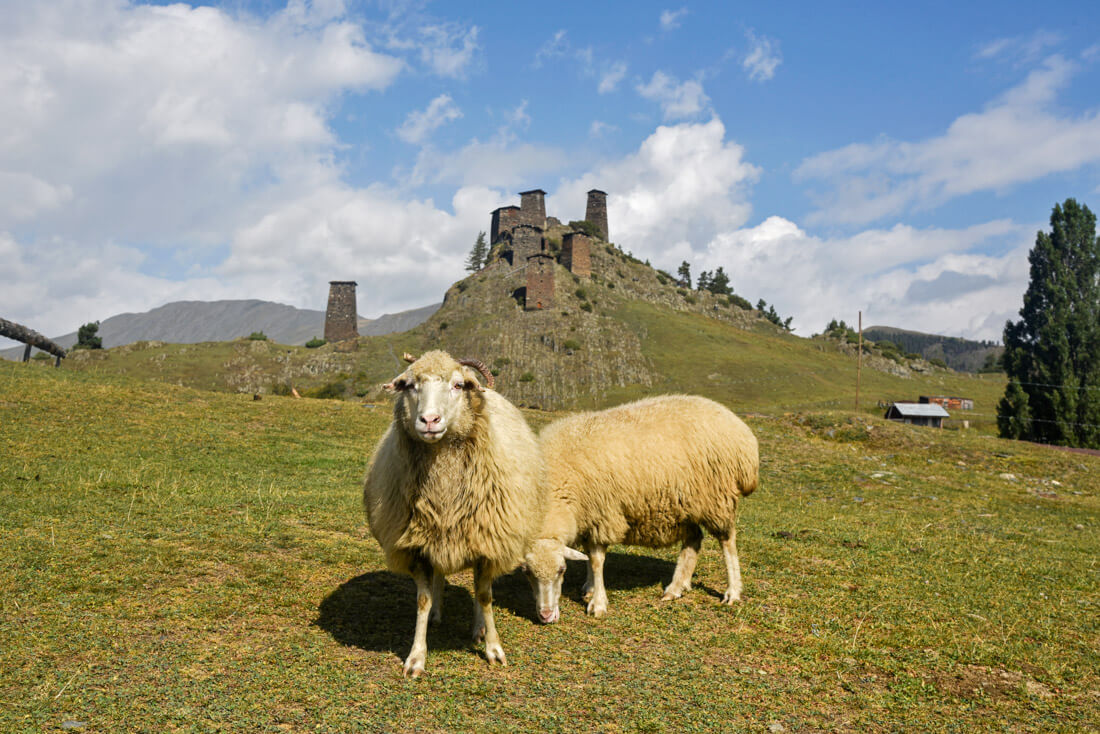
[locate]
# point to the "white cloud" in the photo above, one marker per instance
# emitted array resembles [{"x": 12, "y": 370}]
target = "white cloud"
[
  {"x": 599, "y": 128},
  {"x": 763, "y": 57},
  {"x": 1025, "y": 49},
  {"x": 1019, "y": 137},
  {"x": 449, "y": 50},
  {"x": 678, "y": 101},
  {"x": 555, "y": 47},
  {"x": 421, "y": 123},
  {"x": 150, "y": 123},
  {"x": 611, "y": 76},
  {"x": 670, "y": 19}
]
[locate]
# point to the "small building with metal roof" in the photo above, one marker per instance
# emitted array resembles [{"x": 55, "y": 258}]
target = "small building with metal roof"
[{"x": 918, "y": 414}]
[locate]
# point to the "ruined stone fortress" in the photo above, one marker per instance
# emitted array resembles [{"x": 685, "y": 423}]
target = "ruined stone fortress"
[{"x": 518, "y": 238}]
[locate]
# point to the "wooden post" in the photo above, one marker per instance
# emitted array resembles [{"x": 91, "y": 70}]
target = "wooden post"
[
  {"x": 27, "y": 354},
  {"x": 859, "y": 360}
]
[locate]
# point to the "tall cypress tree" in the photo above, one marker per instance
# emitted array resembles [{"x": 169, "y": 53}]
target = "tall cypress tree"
[
  {"x": 479, "y": 254},
  {"x": 1052, "y": 354}
]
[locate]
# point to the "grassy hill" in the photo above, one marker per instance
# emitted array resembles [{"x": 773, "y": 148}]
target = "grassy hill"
[
  {"x": 184, "y": 559},
  {"x": 627, "y": 332}
]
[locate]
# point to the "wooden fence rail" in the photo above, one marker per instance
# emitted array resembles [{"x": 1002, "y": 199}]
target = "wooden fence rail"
[{"x": 31, "y": 338}]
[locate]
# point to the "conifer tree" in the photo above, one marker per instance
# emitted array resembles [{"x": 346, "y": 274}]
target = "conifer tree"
[
  {"x": 1052, "y": 354},
  {"x": 479, "y": 255},
  {"x": 684, "y": 274}
]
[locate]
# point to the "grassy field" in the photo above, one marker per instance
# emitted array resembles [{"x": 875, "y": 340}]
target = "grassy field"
[{"x": 184, "y": 560}]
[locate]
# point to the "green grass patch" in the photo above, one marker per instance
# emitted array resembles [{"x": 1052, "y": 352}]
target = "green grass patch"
[{"x": 178, "y": 559}]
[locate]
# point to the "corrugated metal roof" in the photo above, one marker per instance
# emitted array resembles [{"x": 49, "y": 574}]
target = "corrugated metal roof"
[{"x": 921, "y": 410}]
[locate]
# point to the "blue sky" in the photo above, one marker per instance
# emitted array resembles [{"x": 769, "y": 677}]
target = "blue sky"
[{"x": 894, "y": 160}]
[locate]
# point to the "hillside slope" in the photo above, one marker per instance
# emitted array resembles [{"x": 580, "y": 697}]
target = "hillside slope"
[{"x": 623, "y": 334}]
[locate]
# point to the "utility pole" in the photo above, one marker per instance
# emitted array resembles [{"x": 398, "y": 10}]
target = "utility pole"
[{"x": 859, "y": 360}]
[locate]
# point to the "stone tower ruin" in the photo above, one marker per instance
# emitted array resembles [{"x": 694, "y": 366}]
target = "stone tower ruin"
[
  {"x": 341, "y": 316},
  {"x": 532, "y": 206},
  {"x": 596, "y": 211},
  {"x": 504, "y": 220},
  {"x": 540, "y": 281},
  {"x": 576, "y": 254},
  {"x": 526, "y": 241}
]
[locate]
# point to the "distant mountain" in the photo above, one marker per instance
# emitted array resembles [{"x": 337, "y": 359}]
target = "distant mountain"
[
  {"x": 963, "y": 355},
  {"x": 188, "y": 322}
]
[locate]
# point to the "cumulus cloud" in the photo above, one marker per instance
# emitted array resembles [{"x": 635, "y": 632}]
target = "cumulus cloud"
[
  {"x": 762, "y": 59},
  {"x": 421, "y": 123},
  {"x": 1019, "y": 137},
  {"x": 678, "y": 100},
  {"x": 150, "y": 121}
]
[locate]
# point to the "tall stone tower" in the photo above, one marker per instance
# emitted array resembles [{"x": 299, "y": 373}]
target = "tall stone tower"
[
  {"x": 540, "y": 281},
  {"x": 341, "y": 316},
  {"x": 532, "y": 206},
  {"x": 596, "y": 211},
  {"x": 576, "y": 254}
]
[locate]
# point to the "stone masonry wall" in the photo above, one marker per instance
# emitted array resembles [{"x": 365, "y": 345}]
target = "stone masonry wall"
[
  {"x": 540, "y": 282},
  {"x": 596, "y": 211},
  {"x": 532, "y": 205},
  {"x": 526, "y": 241},
  {"x": 341, "y": 316},
  {"x": 576, "y": 254},
  {"x": 504, "y": 219}
]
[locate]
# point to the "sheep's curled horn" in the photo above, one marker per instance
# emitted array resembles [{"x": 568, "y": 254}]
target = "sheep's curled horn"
[{"x": 480, "y": 367}]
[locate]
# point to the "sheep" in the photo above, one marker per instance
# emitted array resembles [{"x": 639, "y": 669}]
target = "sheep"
[
  {"x": 455, "y": 482},
  {"x": 650, "y": 473}
]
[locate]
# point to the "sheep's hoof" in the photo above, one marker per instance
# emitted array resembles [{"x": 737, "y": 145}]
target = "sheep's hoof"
[
  {"x": 586, "y": 592},
  {"x": 414, "y": 664},
  {"x": 597, "y": 608},
  {"x": 670, "y": 595},
  {"x": 730, "y": 597},
  {"x": 436, "y": 618},
  {"x": 495, "y": 654}
]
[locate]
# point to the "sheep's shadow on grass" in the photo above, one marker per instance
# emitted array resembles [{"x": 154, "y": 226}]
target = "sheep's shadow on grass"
[
  {"x": 377, "y": 611},
  {"x": 621, "y": 571}
]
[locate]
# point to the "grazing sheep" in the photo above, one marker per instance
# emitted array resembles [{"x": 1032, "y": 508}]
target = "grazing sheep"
[
  {"x": 456, "y": 482},
  {"x": 652, "y": 473}
]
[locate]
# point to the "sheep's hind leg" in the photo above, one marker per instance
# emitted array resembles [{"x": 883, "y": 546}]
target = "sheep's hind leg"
[
  {"x": 483, "y": 616},
  {"x": 438, "y": 580},
  {"x": 586, "y": 590},
  {"x": 597, "y": 607},
  {"x": 733, "y": 568},
  {"x": 685, "y": 565},
  {"x": 414, "y": 663}
]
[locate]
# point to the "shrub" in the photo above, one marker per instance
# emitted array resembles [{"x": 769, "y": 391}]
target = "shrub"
[
  {"x": 690, "y": 299},
  {"x": 741, "y": 303},
  {"x": 280, "y": 389},
  {"x": 443, "y": 325},
  {"x": 315, "y": 342},
  {"x": 502, "y": 362},
  {"x": 527, "y": 377},
  {"x": 582, "y": 294},
  {"x": 571, "y": 344},
  {"x": 586, "y": 306},
  {"x": 329, "y": 391},
  {"x": 258, "y": 336},
  {"x": 937, "y": 362}
]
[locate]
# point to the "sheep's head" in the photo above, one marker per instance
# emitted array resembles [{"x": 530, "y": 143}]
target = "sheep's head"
[
  {"x": 544, "y": 566},
  {"x": 436, "y": 396}
]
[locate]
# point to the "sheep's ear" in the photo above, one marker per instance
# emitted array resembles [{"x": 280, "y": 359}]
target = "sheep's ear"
[
  {"x": 472, "y": 383},
  {"x": 397, "y": 384},
  {"x": 573, "y": 554}
]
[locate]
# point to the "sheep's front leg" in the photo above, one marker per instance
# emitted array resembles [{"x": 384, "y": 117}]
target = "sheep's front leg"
[
  {"x": 422, "y": 575},
  {"x": 733, "y": 569},
  {"x": 685, "y": 565},
  {"x": 437, "y": 597},
  {"x": 484, "y": 626},
  {"x": 597, "y": 607}
]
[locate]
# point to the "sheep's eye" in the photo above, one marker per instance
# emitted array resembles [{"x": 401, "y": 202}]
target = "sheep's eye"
[
  {"x": 561, "y": 571},
  {"x": 457, "y": 386}
]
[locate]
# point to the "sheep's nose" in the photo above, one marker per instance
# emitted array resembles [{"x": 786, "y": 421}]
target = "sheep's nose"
[
  {"x": 430, "y": 421},
  {"x": 546, "y": 615}
]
